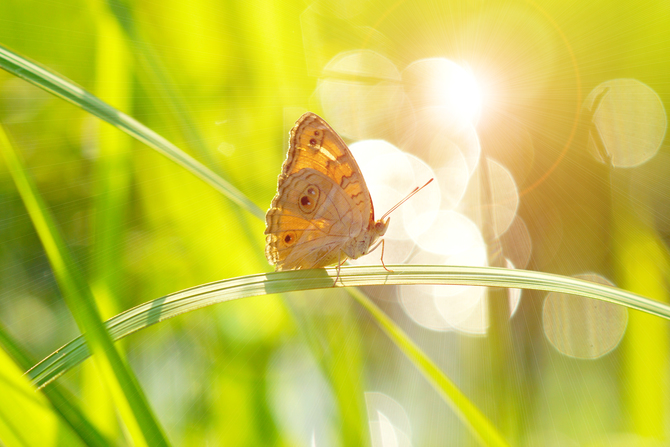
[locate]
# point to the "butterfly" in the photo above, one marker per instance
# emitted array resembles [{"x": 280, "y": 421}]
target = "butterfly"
[{"x": 322, "y": 213}]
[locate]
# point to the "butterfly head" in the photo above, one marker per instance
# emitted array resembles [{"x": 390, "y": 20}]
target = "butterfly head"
[{"x": 381, "y": 226}]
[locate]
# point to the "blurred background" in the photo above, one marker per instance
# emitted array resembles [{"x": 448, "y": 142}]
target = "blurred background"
[{"x": 543, "y": 123}]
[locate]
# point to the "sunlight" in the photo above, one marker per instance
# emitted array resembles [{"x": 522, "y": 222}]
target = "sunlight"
[
  {"x": 388, "y": 421},
  {"x": 460, "y": 93},
  {"x": 581, "y": 327},
  {"x": 440, "y": 82}
]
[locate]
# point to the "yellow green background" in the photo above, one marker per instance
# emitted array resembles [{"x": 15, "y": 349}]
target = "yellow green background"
[{"x": 225, "y": 81}]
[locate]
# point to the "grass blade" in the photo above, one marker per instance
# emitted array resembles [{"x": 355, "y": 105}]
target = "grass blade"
[
  {"x": 26, "y": 418},
  {"x": 61, "y": 400},
  {"x": 469, "y": 414},
  {"x": 529, "y": 280},
  {"x": 188, "y": 300},
  {"x": 69, "y": 91},
  {"x": 643, "y": 266},
  {"x": 115, "y": 372}
]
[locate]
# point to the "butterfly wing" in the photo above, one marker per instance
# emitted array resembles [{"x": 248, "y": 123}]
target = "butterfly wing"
[
  {"x": 310, "y": 221},
  {"x": 314, "y": 144}
]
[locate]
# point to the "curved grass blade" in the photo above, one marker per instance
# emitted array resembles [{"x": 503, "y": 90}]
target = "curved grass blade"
[
  {"x": 154, "y": 75},
  {"x": 60, "y": 398},
  {"x": 466, "y": 411},
  {"x": 188, "y": 300},
  {"x": 114, "y": 371},
  {"x": 26, "y": 417},
  {"x": 69, "y": 91}
]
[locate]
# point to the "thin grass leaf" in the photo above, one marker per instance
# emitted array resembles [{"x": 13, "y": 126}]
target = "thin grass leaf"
[
  {"x": 66, "y": 90},
  {"x": 336, "y": 346},
  {"x": 115, "y": 372},
  {"x": 26, "y": 417},
  {"x": 61, "y": 400},
  {"x": 110, "y": 190},
  {"x": 467, "y": 412},
  {"x": 643, "y": 265},
  {"x": 112, "y": 166},
  {"x": 154, "y": 75},
  {"x": 191, "y": 299},
  {"x": 69, "y": 91}
]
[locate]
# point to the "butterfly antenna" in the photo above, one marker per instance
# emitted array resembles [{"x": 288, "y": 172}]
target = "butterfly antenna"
[{"x": 417, "y": 189}]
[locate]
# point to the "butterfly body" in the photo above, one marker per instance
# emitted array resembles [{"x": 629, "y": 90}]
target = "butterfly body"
[{"x": 322, "y": 213}]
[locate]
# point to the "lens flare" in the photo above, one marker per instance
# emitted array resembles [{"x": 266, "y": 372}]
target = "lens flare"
[
  {"x": 461, "y": 93},
  {"x": 439, "y": 82}
]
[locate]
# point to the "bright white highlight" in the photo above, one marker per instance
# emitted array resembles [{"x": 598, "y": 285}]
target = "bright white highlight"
[
  {"x": 389, "y": 424},
  {"x": 461, "y": 92},
  {"x": 581, "y": 327},
  {"x": 390, "y": 175},
  {"x": 628, "y": 122},
  {"x": 439, "y": 82}
]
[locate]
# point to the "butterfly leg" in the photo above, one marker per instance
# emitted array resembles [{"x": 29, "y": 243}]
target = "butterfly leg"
[
  {"x": 339, "y": 264},
  {"x": 382, "y": 258}
]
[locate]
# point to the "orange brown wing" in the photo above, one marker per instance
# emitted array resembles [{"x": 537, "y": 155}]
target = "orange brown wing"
[
  {"x": 310, "y": 221},
  {"x": 314, "y": 144}
]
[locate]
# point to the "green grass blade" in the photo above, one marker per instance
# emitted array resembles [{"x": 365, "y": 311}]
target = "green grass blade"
[
  {"x": 115, "y": 373},
  {"x": 188, "y": 300},
  {"x": 153, "y": 74},
  {"x": 155, "y": 77},
  {"x": 112, "y": 166},
  {"x": 70, "y": 92},
  {"x": 67, "y": 90},
  {"x": 469, "y": 414},
  {"x": 26, "y": 418},
  {"x": 643, "y": 265},
  {"x": 61, "y": 400},
  {"x": 110, "y": 191},
  {"x": 336, "y": 345}
]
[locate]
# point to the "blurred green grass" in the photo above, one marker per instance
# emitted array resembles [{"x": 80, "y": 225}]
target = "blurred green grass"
[{"x": 223, "y": 82}]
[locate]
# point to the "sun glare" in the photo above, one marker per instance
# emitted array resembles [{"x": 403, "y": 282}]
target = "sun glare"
[
  {"x": 442, "y": 83},
  {"x": 460, "y": 93}
]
